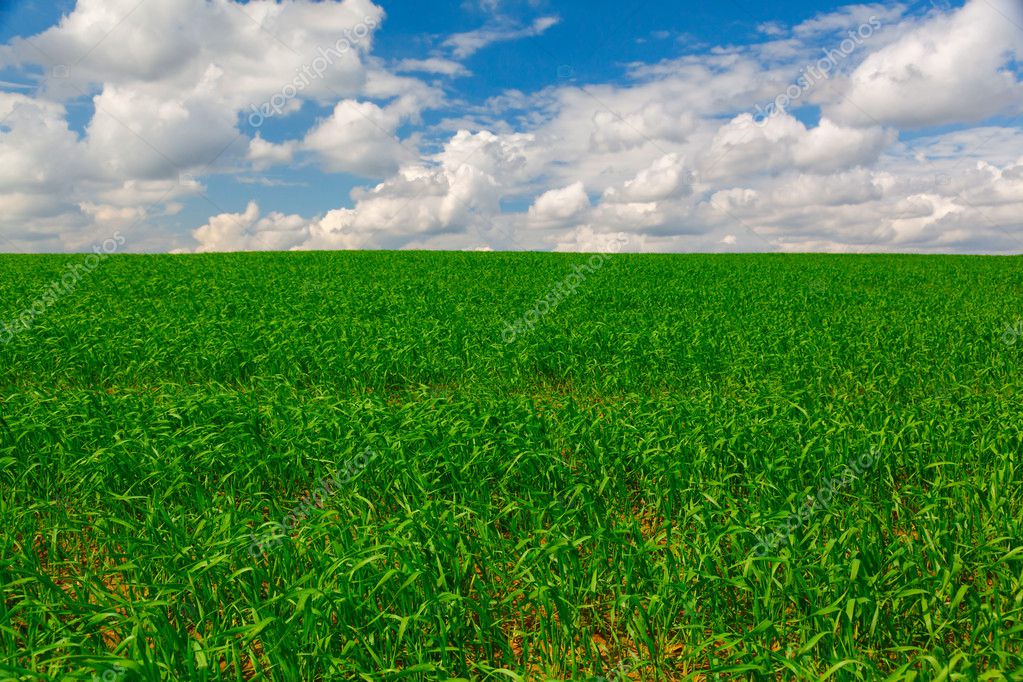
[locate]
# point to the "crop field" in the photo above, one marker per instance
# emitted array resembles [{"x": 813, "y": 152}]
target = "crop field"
[{"x": 430, "y": 466}]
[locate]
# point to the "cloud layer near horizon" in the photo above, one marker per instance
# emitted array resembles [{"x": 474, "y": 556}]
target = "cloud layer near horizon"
[{"x": 897, "y": 132}]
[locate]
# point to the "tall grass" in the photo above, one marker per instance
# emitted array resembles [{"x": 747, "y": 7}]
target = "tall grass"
[{"x": 586, "y": 499}]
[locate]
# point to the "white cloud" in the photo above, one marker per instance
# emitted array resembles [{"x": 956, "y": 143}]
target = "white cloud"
[
  {"x": 950, "y": 69},
  {"x": 464, "y": 45},
  {"x": 264, "y": 154},
  {"x": 438, "y": 65},
  {"x": 615, "y": 132},
  {"x": 359, "y": 138},
  {"x": 772, "y": 29},
  {"x": 743, "y": 148},
  {"x": 249, "y": 232},
  {"x": 560, "y": 206},
  {"x": 666, "y": 178},
  {"x": 585, "y": 239},
  {"x": 849, "y": 18},
  {"x": 419, "y": 201},
  {"x": 169, "y": 82}
]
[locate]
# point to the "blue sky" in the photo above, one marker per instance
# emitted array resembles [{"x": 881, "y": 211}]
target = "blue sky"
[{"x": 502, "y": 124}]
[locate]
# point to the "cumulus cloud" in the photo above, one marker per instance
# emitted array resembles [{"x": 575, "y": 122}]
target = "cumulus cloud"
[
  {"x": 615, "y": 132},
  {"x": 421, "y": 200},
  {"x": 248, "y": 231},
  {"x": 264, "y": 154},
  {"x": 585, "y": 239},
  {"x": 359, "y": 138},
  {"x": 560, "y": 206},
  {"x": 953, "y": 68},
  {"x": 742, "y": 147},
  {"x": 665, "y": 178},
  {"x": 168, "y": 83}
]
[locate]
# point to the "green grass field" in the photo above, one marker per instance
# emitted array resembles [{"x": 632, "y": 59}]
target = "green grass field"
[{"x": 619, "y": 491}]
